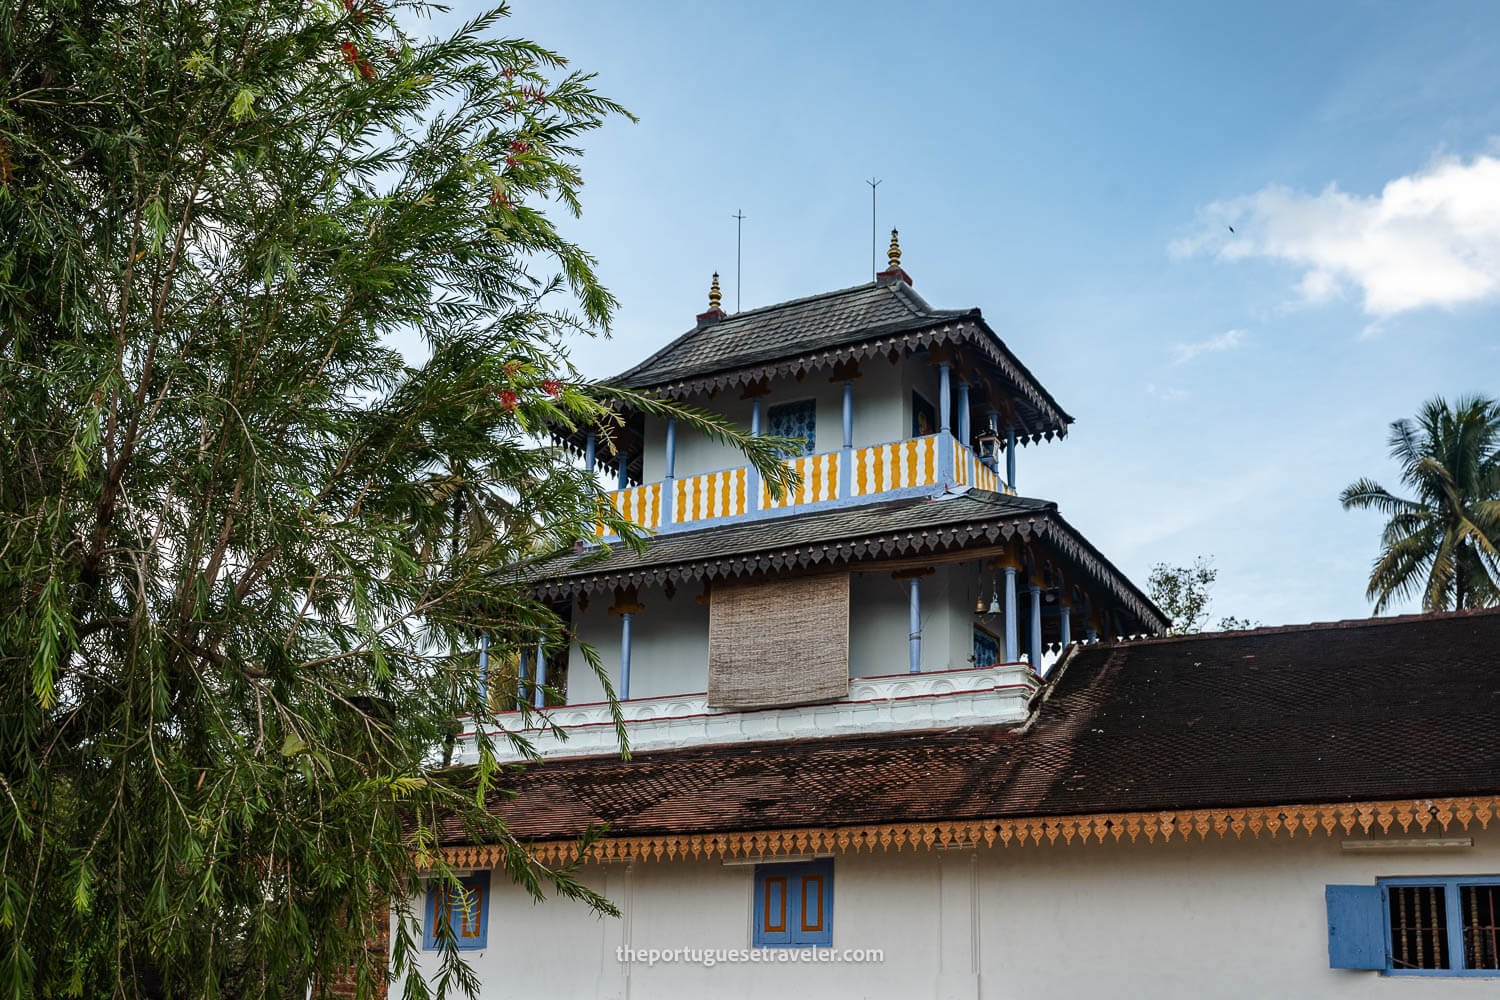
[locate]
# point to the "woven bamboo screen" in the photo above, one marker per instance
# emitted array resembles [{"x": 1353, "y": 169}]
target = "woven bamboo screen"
[{"x": 779, "y": 642}]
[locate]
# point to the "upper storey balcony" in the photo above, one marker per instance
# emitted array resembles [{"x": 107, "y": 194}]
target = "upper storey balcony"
[{"x": 892, "y": 398}]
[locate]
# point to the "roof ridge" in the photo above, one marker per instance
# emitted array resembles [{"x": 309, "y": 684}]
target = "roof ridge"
[
  {"x": 1341, "y": 623},
  {"x": 749, "y": 313}
]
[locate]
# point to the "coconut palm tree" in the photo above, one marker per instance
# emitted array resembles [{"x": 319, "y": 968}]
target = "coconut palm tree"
[{"x": 1445, "y": 542}]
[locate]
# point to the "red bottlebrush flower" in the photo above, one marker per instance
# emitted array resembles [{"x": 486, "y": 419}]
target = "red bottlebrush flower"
[
  {"x": 512, "y": 367},
  {"x": 518, "y": 146},
  {"x": 500, "y": 198},
  {"x": 552, "y": 387},
  {"x": 351, "y": 52},
  {"x": 391, "y": 53},
  {"x": 508, "y": 400},
  {"x": 366, "y": 70},
  {"x": 508, "y": 72}
]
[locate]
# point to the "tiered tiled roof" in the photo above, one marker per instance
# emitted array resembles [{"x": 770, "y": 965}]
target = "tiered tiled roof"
[
  {"x": 822, "y": 330},
  {"x": 1352, "y": 711},
  {"x": 832, "y": 538}
]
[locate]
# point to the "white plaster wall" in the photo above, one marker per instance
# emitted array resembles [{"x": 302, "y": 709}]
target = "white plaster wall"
[
  {"x": 1224, "y": 919},
  {"x": 668, "y": 646},
  {"x": 881, "y": 414},
  {"x": 669, "y": 640}
]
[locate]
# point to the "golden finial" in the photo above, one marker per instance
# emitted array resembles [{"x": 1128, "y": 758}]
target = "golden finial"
[
  {"x": 714, "y": 295},
  {"x": 893, "y": 253}
]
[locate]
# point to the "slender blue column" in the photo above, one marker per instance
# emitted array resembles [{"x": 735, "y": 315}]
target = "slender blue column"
[
  {"x": 625, "y": 655},
  {"x": 915, "y": 636},
  {"x": 521, "y": 677},
  {"x": 541, "y": 675},
  {"x": 846, "y": 460},
  {"x": 1010, "y": 457},
  {"x": 1090, "y": 633},
  {"x": 1036, "y": 627},
  {"x": 752, "y": 479},
  {"x": 668, "y": 494},
  {"x": 945, "y": 398},
  {"x": 588, "y": 453},
  {"x": 963, "y": 413},
  {"x": 1012, "y": 631},
  {"x": 484, "y": 671},
  {"x": 1067, "y": 626},
  {"x": 624, "y": 479}
]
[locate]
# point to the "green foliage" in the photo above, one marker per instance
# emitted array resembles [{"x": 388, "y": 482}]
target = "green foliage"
[
  {"x": 1182, "y": 593},
  {"x": 1444, "y": 543},
  {"x": 247, "y": 544}
]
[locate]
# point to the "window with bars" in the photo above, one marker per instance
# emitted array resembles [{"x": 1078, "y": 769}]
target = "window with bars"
[
  {"x": 1417, "y": 926},
  {"x": 463, "y": 910}
]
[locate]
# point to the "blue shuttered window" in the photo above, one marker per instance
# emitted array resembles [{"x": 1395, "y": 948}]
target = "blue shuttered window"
[
  {"x": 1424, "y": 926},
  {"x": 1356, "y": 932},
  {"x": 794, "y": 905},
  {"x": 465, "y": 911}
]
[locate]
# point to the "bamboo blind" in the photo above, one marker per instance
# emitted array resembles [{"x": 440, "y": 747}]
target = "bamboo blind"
[{"x": 779, "y": 642}]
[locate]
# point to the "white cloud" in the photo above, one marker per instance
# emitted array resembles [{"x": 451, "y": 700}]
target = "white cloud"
[
  {"x": 1431, "y": 238},
  {"x": 1226, "y": 341}
]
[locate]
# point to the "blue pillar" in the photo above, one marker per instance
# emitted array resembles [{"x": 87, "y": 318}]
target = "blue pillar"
[
  {"x": 963, "y": 413},
  {"x": 1036, "y": 627},
  {"x": 625, "y": 655},
  {"x": 541, "y": 675},
  {"x": 945, "y": 398},
  {"x": 484, "y": 672},
  {"x": 846, "y": 460},
  {"x": 1012, "y": 632},
  {"x": 521, "y": 677},
  {"x": 1010, "y": 457},
  {"x": 915, "y": 636},
  {"x": 1090, "y": 633},
  {"x": 624, "y": 480},
  {"x": 1067, "y": 626},
  {"x": 668, "y": 494},
  {"x": 588, "y": 453},
  {"x": 752, "y": 479}
]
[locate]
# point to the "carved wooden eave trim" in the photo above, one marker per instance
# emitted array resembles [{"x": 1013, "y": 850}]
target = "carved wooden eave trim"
[
  {"x": 969, "y": 332},
  {"x": 845, "y": 552},
  {"x": 1162, "y": 826}
]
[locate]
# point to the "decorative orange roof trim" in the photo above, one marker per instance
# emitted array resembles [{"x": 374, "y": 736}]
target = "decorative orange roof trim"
[{"x": 1149, "y": 827}]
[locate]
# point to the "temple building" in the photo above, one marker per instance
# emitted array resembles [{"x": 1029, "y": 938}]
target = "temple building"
[{"x": 903, "y": 731}]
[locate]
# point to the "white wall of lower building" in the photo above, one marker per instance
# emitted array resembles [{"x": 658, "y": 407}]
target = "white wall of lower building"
[{"x": 1223, "y": 919}]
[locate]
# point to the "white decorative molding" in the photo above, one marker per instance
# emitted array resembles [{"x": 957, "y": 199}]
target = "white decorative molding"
[{"x": 936, "y": 700}]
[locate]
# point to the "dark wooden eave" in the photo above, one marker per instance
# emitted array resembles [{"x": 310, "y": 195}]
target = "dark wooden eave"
[{"x": 847, "y": 537}]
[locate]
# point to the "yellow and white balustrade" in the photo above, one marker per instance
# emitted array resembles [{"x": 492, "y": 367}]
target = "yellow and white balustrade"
[
  {"x": 713, "y": 494},
  {"x": 820, "y": 481},
  {"x": 970, "y": 470},
  {"x": 641, "y": 504},
  {"x": 884, "y": 467}
]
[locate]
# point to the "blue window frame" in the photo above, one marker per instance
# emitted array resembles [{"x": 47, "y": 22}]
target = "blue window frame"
[
  {"x": 986, "y": 649},
  {"x": 1418, "y": 926},
  {"x": 465, "y": 910},
  {"x": 794, "y": 905},
  {"x": 796, "y": 420}
]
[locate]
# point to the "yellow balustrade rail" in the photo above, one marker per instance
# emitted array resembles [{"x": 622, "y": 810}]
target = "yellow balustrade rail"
[
  {"x": 713, "y": 494},
  {"x": 876, "y": 469},
  {"x": 641, "y": 504},
  {"x": 884, "y": 467},
  {"x": 968, "y": 470},
  {"x": 820, "y": 481}
]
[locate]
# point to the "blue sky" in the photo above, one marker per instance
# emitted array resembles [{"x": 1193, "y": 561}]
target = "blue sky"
[{"x": 1073, "y": 170}]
